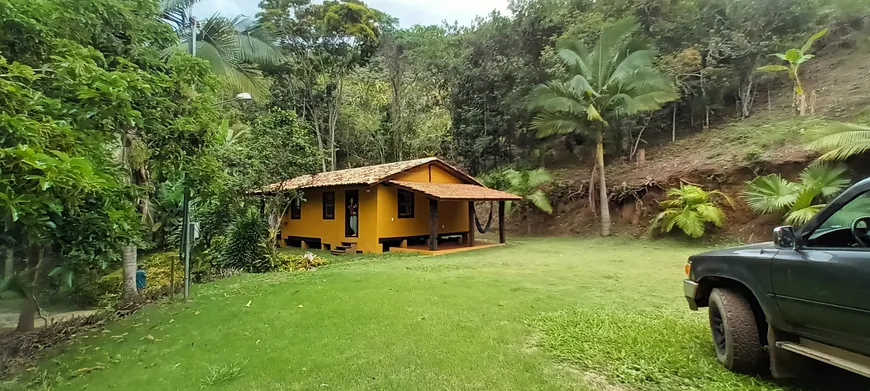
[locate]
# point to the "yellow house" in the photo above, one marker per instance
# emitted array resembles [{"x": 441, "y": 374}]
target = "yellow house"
[{"x": 404, "y": 206}]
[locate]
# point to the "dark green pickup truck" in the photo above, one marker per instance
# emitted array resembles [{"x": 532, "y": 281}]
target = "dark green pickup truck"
[{"x": 806, "y": 294}]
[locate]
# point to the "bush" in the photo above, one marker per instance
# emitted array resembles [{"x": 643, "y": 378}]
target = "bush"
[
  {"x": 691, "y": 210},
  {"x": 243, "y": 247},
  {"x": 289, "y": 263},
  {"x": 158, "y": 270}
]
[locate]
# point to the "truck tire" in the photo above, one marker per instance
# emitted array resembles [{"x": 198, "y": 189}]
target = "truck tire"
[{"x": 735, "y": 332}]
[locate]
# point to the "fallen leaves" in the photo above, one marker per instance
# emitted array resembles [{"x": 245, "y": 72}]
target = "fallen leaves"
[
  {"x": 84, "y": 371},
  {"x": 150, "y": 338}
]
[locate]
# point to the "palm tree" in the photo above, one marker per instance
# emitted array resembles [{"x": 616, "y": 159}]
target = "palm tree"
[
  {"x": 527, "y": 184},
  {"x": 232, "y": 46},
  {"x": 614, "y": 79},
  {"x": 841, "y": 141},
  {"x": 798, "y": 202}
]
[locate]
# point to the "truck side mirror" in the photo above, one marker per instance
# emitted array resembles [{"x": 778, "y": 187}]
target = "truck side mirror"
[{"x": 784, "y": 237}]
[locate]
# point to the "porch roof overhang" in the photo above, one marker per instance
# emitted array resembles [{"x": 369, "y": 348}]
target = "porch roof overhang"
[{"x": 456, "y": 191}]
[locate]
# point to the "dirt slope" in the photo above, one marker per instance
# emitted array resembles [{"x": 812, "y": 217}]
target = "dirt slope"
[{"x": 723, "y": 157}]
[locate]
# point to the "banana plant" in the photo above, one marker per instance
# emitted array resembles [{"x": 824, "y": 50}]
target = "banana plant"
[{"x": 795, "y": 57}]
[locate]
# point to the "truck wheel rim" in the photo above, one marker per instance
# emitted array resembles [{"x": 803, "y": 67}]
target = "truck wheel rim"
[{"x": 718, "y": 328}]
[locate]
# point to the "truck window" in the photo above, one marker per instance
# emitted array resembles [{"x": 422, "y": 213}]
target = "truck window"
[{"x": 837, "y": 230}]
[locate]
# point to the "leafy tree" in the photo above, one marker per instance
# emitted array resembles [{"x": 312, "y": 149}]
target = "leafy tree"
[
  {"x": 798, "y": 202},
  {"x": 841, "y": 141},
  {"x": 613, "y": 80},
  {"x": 58, "y": 208},
  {"x": 234, "y": 47},
  {"x": 325, "y": 43},
  {"x": 795, "y": 57},
  {"x": 691, "y": 208}
]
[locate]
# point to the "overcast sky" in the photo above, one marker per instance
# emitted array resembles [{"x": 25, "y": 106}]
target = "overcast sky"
[{"x": 409, "y": 12}]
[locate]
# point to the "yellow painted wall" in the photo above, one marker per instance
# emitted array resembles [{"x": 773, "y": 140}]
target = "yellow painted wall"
[
  {"x": 422, "y": 174},
  {"x": 452, "y": 216},
  {"x": 332, "y": 232},
  {"x": 378, "y": 213}
]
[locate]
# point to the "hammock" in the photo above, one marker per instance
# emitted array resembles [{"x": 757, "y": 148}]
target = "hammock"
[{"x": 481, "y": 228}]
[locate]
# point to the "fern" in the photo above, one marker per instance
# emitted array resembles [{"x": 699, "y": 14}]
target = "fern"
[{"x": 690, "y": 209}]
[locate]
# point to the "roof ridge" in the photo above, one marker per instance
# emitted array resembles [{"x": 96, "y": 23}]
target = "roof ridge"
[
  {"x": 367, "y": 175},
  {"x": 420, "y": 160}
]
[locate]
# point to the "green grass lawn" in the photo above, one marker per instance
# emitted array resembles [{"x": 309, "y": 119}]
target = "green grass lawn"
[{"x": 541, "y": 314}]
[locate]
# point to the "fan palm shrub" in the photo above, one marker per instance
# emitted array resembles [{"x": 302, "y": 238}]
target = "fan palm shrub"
[
  {"x": 799, "y": 201},
  {"x": 691, "y": 209},
  {"x": 613, "y": 79},
  {"x": 841, "y": 141}
]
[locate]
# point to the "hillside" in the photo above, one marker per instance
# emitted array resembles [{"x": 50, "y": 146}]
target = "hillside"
[{"x": 723, "y": 157}]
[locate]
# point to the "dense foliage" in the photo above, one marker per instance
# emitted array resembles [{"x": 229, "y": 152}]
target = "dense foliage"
[
  {"x": 107, "y": 122},
  {"x": 691, "y": 209}
]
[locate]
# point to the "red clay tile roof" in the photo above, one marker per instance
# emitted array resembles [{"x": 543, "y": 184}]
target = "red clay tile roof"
[
  {"x": 456, "y": 192},
  {"x": 357, "y": 176}
]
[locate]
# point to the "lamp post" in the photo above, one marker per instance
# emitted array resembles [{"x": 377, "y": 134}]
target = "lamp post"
[
  {"x": 188, "y": 228},
  {"x": 187, "y": 231}
]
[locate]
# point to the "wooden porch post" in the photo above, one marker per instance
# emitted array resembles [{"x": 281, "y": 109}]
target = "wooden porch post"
[
  {"x": 471, "y": 224},
  {"x": 433, "y": 225},
  {"x": 501, "y": 237}
]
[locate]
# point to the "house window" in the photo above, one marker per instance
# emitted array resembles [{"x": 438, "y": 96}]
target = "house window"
[
  {"x": 296, "y": 210},
  {"x": 329, "y": 206},
  {"x": 406, "y": 204}
]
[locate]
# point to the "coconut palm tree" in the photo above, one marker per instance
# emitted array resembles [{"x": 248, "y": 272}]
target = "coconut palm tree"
[
  {"x": 232, "y": 46},
  {"x": 841, "y": 141},
  {"x": 614, "y": 79}
]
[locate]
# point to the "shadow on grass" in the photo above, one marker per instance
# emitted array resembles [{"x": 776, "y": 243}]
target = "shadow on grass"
[{"x": 660, "y": 350}]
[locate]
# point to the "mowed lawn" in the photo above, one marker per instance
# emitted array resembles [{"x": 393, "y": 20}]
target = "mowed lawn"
[{"x": 540, "y": 314}]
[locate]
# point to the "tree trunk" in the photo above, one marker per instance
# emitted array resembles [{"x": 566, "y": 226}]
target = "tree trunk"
[
  {"x": 320, "y": 145},
  {"x": 602, "y": 184},
  {"x": 129, "y": 260},
  {"x": 27, "y": 318},
  {"x": 592, "y": 186},
  {"x": 802, "y": 105},
  {"x": 674, "y": 126},
  {"x": 529, "y": 221},
  {"x": 9, "y": 266},
  {"x": 769, "y": 102},
  {"x": 746, "y": 98},
  {"x": 29, "y": 306}
]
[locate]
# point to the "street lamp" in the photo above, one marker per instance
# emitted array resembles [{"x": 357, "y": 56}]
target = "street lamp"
[
  {"x": 240, "y": 97},
  {"x": 187, "y": 232}
]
